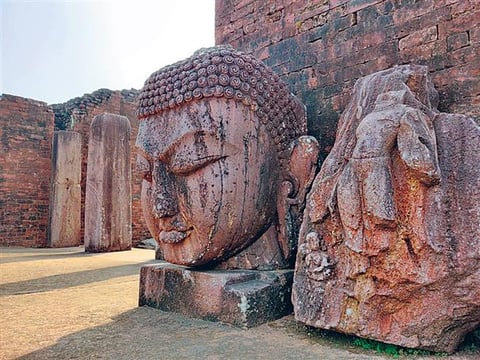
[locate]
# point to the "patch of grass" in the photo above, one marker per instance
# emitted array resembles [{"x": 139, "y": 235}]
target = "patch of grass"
[
  {"x": 353, "y": 342},
  {"x": 390, "y": 349},
  {"x": 356, "y": 344},
  {"x": 471, "y": 342}
]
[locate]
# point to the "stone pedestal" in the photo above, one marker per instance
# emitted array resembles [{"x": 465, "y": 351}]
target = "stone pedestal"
[
  {"x": 108, "y": 203},
  {"x": 244, "y": 298},
  {"x": 65, "y": 193}
]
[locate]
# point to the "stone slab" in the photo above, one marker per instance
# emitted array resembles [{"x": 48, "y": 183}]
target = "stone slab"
[
  {"x": 65, "y": 193},
  {"x": 243, "y": 298},
  {"x": 108, "y": 201}
]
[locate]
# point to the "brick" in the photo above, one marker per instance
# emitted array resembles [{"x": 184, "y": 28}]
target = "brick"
[
  {"x": 310, "y": 12},
  {"x": 242, "y": 12},
  {"x": 475, "y": 35},
  {"x": 275, "y": 16},
  {"x": 408, "y": 25},
  {"x": 239, "y": 3},
  {"x": 356, "y": 5},
  {"x": 290, "y": 28},
  {"x": 420, "y": 37},
  {"x": 464, "y": 7},
  {"x": 373, "y": 19},
  {"x": 374, "y": 38},
  {"x": 462, "y": 56},
  {"x": 335, "y": 3},
  {"x": 311, "y": 22},
  {"x": 468, "y": 21},
  {"x": 412, "y": 9},
  {"x": 458, "y": 40},
  {"x": 342, "y": 23},
  {"x": 318, "y": 33},
  {"x": 249, "y": 28}
]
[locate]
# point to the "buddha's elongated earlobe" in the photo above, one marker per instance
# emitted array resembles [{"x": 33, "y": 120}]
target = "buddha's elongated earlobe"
[{"x": 295, "y": 183}]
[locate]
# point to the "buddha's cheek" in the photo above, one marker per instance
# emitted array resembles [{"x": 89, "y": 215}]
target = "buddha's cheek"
[
  {"x": 200, "y": 200},
  {"x": 213, "y": 202},
  {"x": 147, "y": 207}
]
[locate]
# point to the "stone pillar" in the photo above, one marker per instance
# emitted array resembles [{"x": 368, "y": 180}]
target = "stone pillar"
[
  {"x": 65, "y": 193},
  {"x": 108, "y": 203}
]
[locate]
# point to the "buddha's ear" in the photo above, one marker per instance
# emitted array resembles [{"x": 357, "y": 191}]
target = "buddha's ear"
[{"x": 301, "y": 166}]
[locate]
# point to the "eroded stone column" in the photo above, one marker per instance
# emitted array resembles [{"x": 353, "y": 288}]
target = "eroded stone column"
[
  {"x": 65, "y": 193},
  {"x": 108, "y": 209}
]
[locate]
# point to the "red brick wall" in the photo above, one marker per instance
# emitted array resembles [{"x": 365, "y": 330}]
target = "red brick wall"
[
  {"x": 79, "y": 113},
  {"x": 321, "y": 47},
  {"x": 26, "y": 130}
]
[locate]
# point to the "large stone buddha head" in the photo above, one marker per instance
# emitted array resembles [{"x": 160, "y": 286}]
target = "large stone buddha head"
[{"x": 225, "y": 167}]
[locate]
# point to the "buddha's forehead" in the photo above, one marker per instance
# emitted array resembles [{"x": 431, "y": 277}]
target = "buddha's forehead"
[{"x": 225, "y": 120}]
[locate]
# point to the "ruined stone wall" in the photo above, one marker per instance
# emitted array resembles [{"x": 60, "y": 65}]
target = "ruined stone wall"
[
  {"x": 77, "y": 114},
  {"x": 320, "y": 48},
  {"x": 26, "y": 130}
]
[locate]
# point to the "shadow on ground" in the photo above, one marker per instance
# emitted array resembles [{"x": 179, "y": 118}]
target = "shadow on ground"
[
  {"x": 50, "y": 256},
  {"x": 146, "y": 333},
  {"x": 63, "y": 281}
]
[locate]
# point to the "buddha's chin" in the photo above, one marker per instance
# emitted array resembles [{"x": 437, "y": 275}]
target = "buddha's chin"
[{"x": 177, "y": 253}]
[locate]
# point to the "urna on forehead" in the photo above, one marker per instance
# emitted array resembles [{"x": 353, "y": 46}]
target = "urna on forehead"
[{"x": 223, "y": 72}]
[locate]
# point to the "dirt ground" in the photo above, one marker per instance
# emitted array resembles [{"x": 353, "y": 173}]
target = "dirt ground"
[{"x": 66, "y": 304}]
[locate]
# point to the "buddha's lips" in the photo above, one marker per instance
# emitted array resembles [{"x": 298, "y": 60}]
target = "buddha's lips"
[{"x": 172, "y": 237}]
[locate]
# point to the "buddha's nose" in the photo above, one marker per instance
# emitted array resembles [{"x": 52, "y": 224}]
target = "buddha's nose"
[{"x": 164, "y": 201}]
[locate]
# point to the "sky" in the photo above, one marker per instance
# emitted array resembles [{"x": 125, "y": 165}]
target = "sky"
[{"x": 55, "y": 50}]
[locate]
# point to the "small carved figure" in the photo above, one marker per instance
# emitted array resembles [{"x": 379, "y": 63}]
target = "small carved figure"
[
  {"x": 224, "y": 162},
  {"x": 318, "y": 265}
]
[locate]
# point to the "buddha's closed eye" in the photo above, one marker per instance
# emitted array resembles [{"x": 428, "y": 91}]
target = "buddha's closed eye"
[
  {"x": 180, "y": 165},
  {"x": 196, "y": 150},
  {"x": 184, "y": 164},
  {"x": 191, "y": 152}
]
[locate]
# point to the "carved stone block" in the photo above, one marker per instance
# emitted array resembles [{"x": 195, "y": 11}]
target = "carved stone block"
[{"x": 243, "y": 298}]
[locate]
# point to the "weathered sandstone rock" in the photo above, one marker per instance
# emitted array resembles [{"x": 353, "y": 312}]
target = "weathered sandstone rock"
[
  {"x": 108, "y": 204},
  {"x": 389, "y": 248}
]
